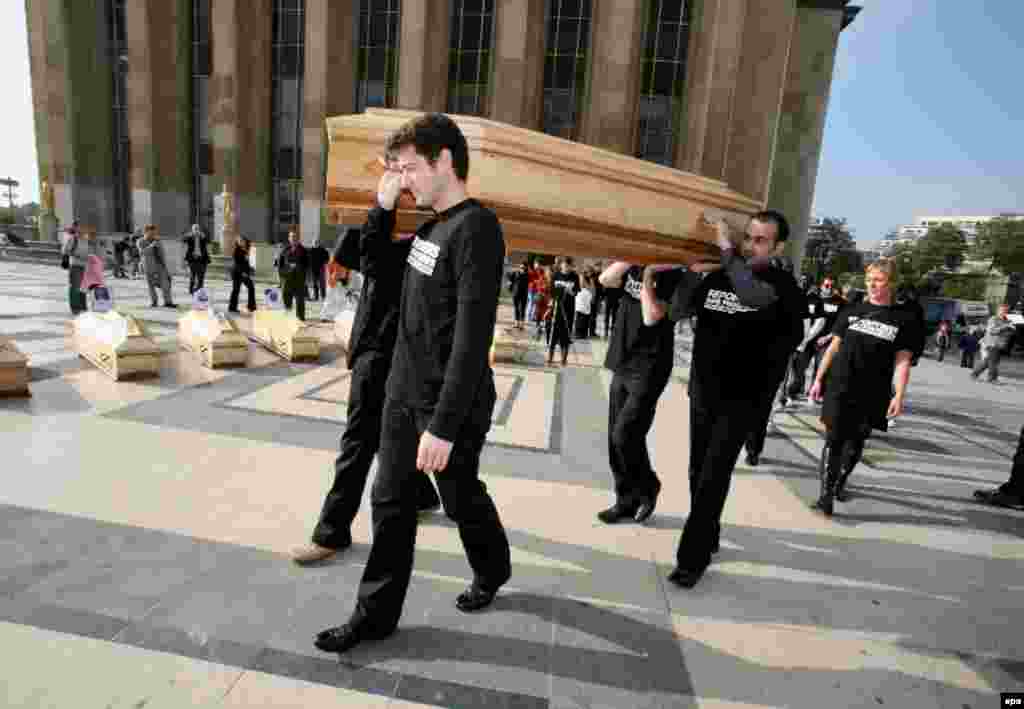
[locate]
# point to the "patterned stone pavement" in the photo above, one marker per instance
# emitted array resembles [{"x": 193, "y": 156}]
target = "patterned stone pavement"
[{"x": 146, "y": 527}]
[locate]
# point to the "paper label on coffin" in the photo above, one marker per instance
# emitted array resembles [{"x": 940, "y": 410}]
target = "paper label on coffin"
[
  {"x": 102, "y": 300},
  {"x": 551, "y": 195},
  {"x": 201, "y": 300},
  {"x": 109, "y": 328}
]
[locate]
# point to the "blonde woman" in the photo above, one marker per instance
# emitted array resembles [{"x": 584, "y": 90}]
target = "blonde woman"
[{"x": 868, "y": 367}]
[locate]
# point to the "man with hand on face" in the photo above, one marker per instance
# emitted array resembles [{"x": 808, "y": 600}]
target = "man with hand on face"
[
  {"x": 749, "y": 318},
  {"x": 440, "y": 392}
]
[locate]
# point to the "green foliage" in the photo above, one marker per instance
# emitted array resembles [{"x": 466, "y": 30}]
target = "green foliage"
[
  {"x": 7, "y": 216},
  {"x": 1001, "y": 243},
  {"x": 966, "y": 286},
  {"x": 830, "y": 249},
  {"x": 944, "y": 246},
  {"x": 907, "y": 270}
]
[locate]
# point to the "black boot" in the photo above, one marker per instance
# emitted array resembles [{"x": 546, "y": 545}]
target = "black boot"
[
  {"x": 841, "y": 494},
  {"x": 828, "y": 493}
]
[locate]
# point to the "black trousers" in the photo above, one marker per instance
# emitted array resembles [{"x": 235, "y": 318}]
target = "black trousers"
[
  {"x": 716, "y": 436},
  {"x": 846, "y": 447},
  {"x": 236, "y": 284},
  {"x": 295, "y": 289},
  {"x": 358, "y": 445},
  {"x": 561, "y": 334},
  {"x": 394, "y": 498},
  {"x": 1015, "y": 485},
  {"x": 197, "y": 276},
  {"x": 967, "y": 360},
  {"x": 519, "y": 302},
  {"x": 632, "y": 401},
  {"x": 319, "y": 284},
  {"x": 798, "y": 369},
  {"x": 594, "y": 313}
]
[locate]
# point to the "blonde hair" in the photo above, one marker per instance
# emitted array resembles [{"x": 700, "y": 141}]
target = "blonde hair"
[{"x": 883, "y": 265}]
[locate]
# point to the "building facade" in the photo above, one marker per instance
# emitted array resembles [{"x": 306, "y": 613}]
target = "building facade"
[
  {"x": 147, "y": 109},
  {"x": 968, "y": 225}
]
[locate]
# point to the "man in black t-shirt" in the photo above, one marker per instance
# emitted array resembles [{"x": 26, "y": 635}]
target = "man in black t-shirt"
[
  {"x": 749, "y": 318},
  {"x": 872, "y": 343},
  {"x": 640, "y": 353},
  {"x": 440, "y": 392},
  {"x": 565, "y": 284},
  {"x": 826, "y": 303}
]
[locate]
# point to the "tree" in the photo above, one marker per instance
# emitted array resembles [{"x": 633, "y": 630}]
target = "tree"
[
  {"x": 907, "y": 268},
  {"x": 966, "y": 286},
  {"x": 943, "y": 246},
  {"x": 1001, "y": 243},
  {"x": 826, "y": 242}
]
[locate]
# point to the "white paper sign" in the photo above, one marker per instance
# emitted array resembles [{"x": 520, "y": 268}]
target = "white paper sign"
[
  {"x": 272, "y": 299},
  {"x": 102, "y": 299},
  {"x": 201, "y": 300}
]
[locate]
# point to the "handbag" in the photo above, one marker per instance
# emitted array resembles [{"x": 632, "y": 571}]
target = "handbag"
[{"x": 65, "y": 259}]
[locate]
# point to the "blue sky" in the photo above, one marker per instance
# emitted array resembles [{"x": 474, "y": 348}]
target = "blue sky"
[{"x": 926, "y": 114}]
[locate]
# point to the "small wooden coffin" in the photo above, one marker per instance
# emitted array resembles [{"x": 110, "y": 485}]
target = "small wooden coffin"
[
  {"x": 117, "y": 344},
  {"x": 509, "y": 345},
  {"x": 13, "y": 369},
  {"x": 284, "y": 334},
  {"x": 214, "y": 338},
  {"x": 552, "y": 195}
]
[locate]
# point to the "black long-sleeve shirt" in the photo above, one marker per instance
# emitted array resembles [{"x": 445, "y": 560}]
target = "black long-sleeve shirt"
[
  {"x": 748, "y": 324},
  {"x": 449, "y": 303},
  {"x": 382, "y": 263}
]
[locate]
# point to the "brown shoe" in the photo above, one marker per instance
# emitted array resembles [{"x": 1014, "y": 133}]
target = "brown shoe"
[{"x": 312, "y": 554}]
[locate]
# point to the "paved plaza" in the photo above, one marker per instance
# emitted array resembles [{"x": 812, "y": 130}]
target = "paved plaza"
[{"x": 146, "y": 530}]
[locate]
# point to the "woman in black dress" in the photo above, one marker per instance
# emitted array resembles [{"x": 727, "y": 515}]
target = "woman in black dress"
[{"x": 870, "y": 356}]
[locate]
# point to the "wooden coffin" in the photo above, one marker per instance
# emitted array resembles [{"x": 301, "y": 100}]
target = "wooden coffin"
[
  {"x": 117, "y": 344},
  {"x": 552, "y": 195},
  {"x": 214, "y": 338},
  {"x": 13, "y": 369},
  {"x": 284, "y": 334},
  {"x": 509, "y": 345}
]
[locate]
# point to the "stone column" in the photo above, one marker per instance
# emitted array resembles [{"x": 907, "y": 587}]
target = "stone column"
[
  {"x": 72, "y": 86},
  {"x": 329, "y": 90},
  {"x": 804, "y": 105},
  {"x": 758, "y": 100},
  {"x": 517, "y": 87},
  {"x": 609, "y": 116},
  {"x": 712, "y": 65},
  {"x": 423, "y": 55},
  {"x": 159, "y": 36},
  {"x": 240, "y": 109}
]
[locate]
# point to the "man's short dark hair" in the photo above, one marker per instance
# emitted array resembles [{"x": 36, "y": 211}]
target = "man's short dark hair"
[
  {"x": 429, "y": 134},
  {"x": 770, "y": 216}
]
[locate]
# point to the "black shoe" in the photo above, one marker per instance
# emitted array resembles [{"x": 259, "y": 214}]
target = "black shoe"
[
  {"x": 753, "y": 459},
  {"x": 616, "y": 513},
  {"x": 686, "y": 578},
  {"x": 998, "y": 498},
  {"x": 344, "y": 638},
  {"x": 170, "y": 305},
  {"x": 646, "y": 509},
  {"x": 825, "y": 503},
  {"x": 714, "y": 547},
  {"x": 474, "y": 598},
  {"x": 234, "y": 310}
]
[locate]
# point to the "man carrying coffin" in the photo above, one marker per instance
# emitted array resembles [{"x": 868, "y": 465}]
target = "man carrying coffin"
[
  {"x": 370, "y": 348},
  {"x": 749, "y": 318}
]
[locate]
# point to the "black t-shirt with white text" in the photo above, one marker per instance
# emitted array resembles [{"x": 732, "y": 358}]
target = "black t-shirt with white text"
[
  {"x": 860, "y": 377},
  {"x": 634, "y": 346},
  {"x": 740, "y": 352},
  {"x": 564, "y": 287},
  {"x": 830, "y": 308}
]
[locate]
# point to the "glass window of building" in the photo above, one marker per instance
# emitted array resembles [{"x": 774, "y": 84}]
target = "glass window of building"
[
  {"x": 663, "y": 66},
  {"x": 565, "y": 65},
  {"x": 377, "y": 56},
  {"x": 288, "y": 67},
  {"x": 202, "y": 149},
  {"x": 118, "y": 52},
  {"x": 469, "y": 58}
]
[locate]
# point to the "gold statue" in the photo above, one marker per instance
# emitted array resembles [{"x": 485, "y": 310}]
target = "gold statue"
[
  {"x": 229, "y": 207},
  {"x": 46, "y": 197}
]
